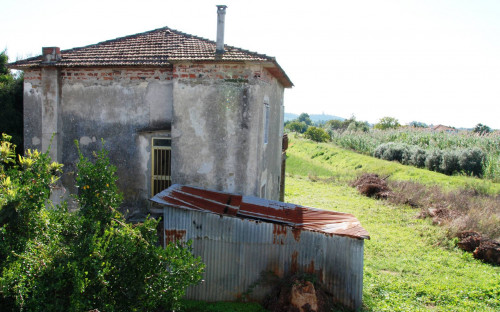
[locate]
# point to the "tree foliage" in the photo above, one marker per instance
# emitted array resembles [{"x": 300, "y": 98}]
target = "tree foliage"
[
  {"x": 418, "y": 124},
  {"x": 304, "y": 117},
  {"x": 11, "y": 103},
  {"x": 55, "y": 260},
  {"x": 350, "y": 124},
  {"x": 481, "y": 129},
  {"x": 296, "y": 126},
  {"x": 316, "y": 134},
  {"x": 387, "y": 123}
]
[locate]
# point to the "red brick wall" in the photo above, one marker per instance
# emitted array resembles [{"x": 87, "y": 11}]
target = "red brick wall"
[
  {"x": 180, "y": 71},
  {"x": 110, "y": 74},
  {"x": 33, "y": 76},
  {"x": 221, "y": 71}
]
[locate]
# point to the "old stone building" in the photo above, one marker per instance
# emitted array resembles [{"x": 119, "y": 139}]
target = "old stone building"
[{"x": 171, "y": 108}]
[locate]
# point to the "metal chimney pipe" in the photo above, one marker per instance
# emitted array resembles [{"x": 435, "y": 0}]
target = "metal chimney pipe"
[{"x": 221, "y": 15}]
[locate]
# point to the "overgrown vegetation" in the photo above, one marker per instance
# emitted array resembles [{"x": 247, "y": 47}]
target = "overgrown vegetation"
[
  {"x": 55, "y": 260},
  {"x": 11, "y": 103},
  {"x": 410, "y": 264},
  {"x": 474, "y": 201},
  {"x": 432, "y": 144}
]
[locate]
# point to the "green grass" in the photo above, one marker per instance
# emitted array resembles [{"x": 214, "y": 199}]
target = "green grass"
[
  {"x": 404, "y": 270},
  {"x": 201, "y": 306},
  {"x": 325, "y": 160},
  {"x": 407, "y": 267}
]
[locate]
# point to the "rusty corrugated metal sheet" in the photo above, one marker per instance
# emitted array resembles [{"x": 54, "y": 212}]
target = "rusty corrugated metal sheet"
[
  {"x": 242, "y": 256},
  {"x": 249, "y": 207},
  {"x": 244, "y": 241}
]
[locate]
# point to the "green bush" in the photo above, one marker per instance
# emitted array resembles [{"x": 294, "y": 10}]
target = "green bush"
[
  {"x": 55, "y": 260},
  {"x": 316, "y": 134},
  {"x": 366, "y": 143},
  {"x": 296, "y": 126},
  {"x": 393, "y": 151},
  {"x": 11, "y": 103},
  {"x": 449, "y": 162},
  {"x": 387, "y": 123},
  {"x": 472, "y": 161},
  {"x": 418, "y": 156},
  {"x": 469, "y": 161},
  {"x": 434, "y": 160}
]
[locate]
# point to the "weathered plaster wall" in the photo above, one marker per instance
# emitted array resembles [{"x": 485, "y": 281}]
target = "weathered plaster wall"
[
  {"x": 122, "y": 106},
  {"x": 218, "y": 128},
  {"x": 32, "y": 109},
  {"x": 216, "y": 114}
]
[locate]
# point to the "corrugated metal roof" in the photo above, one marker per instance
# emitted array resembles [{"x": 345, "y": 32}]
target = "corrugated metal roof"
[
  {"x": 159, "y": 47},
  {"x": 254, "y": 208}
]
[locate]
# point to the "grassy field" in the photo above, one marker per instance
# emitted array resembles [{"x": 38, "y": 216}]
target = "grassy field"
[
  {"x": 409, "y": 264},
  {"x": 324, "y": 160},
  {"x": 407, "y": 268}
]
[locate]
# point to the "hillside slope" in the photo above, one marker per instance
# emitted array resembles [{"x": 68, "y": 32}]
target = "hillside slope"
[{"x": 405, "y": 269}]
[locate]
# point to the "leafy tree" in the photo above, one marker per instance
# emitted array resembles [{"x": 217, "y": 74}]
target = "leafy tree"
[
  {"x": 11, "y": 103},
  {"x": 296, "y": 126},
  {"x": 481, "y": 129},
  {"x": 387, "y": 123},
  {"x": 316, "y": 134},
  {"x": 55, "y": 260},
  {"x": 304, "y": 117},
  {"x": 358, "y": 126},
  {"x": 350, "y": 124},
  {"x": 334, "y": 124},
  {"x": 418, "y": 124}
]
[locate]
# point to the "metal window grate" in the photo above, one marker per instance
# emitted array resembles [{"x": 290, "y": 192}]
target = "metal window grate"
[{"x": 161, "y": 165}]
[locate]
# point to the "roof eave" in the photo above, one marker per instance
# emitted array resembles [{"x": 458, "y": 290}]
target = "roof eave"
[{"x": 280, "y": 74}]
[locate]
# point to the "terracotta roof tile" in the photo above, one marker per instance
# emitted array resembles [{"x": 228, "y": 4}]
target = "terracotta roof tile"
[{"x": 159, "y": 47}]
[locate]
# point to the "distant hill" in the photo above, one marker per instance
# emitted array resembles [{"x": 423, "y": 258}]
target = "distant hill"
[{"x": 314, "y": 117}]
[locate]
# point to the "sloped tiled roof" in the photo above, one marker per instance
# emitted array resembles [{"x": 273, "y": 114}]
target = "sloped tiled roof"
[{"x": 159, "y": 47}]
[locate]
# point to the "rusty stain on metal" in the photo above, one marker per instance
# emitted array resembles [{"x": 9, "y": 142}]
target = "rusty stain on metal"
[
  {"x": 294, "y": 267},
  {"x": 239, "y": 251},
  {"x": 296, "y": 234},
  {"x": 310, "y": 267},
  {"x": 279, "y": 234},
  {"x": 249, "y": 207},
  {"x": 171, "y": 236},
  {"x": 240, "y": 237}
]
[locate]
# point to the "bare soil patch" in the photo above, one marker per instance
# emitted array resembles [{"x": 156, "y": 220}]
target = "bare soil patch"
[
  {"x": 467, "y": 215},
  {"x": 371, "y": 185}
]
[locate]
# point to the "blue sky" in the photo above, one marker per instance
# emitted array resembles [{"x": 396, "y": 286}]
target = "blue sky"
[{"x": 433, "y": 61}]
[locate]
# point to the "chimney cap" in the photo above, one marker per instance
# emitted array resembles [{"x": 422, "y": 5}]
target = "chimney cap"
[
  {"x": 51, "y": 54},
  {"x": 221, "y": 6}
]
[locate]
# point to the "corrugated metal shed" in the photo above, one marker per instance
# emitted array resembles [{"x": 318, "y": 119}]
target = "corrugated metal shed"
[{"x": 241, "y": 238}]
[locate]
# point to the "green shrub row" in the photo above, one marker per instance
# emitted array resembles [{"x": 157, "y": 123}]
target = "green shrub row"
[
  {"x": 367, "y": 142},
  {"x": 469, "y": 160}
]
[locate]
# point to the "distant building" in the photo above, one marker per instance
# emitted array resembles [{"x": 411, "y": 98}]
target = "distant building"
[{"x": 444, "y": 128}]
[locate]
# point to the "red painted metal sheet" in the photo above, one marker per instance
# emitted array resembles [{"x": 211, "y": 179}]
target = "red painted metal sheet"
[{"x": 254, "y": 208}]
